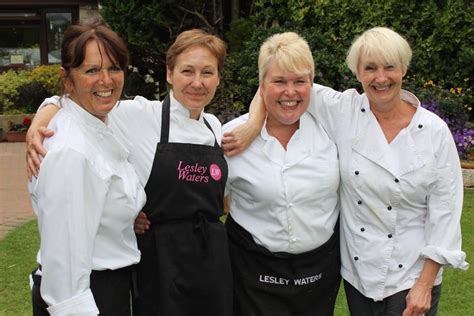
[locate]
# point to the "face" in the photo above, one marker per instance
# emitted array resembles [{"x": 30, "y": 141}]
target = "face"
[
  {"x": 194, "y": 78},
  {"x": 97, "y": 83},
  {"x": 286, "y": 95},
  {"x": 382, "y": 82}
]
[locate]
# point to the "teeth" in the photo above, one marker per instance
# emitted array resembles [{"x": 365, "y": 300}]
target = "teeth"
[
  {"x": 104, "y": 94},
  {"x": 289, "y": 103},
  {"x": 381, "y": 88}
]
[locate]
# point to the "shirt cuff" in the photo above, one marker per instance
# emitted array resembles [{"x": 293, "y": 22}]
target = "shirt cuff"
[
  {"x": 453, "y": 258},
  {"x": 82, "y": 304},
  {"x": 52, "y": 100}
]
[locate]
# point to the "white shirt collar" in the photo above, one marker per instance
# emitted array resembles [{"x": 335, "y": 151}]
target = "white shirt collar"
[
  {"x": 86, "y": 117},
  {"x": 177, "y": 108}
]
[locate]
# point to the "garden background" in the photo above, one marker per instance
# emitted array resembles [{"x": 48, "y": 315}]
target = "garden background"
[{"x": 440, "y": 32}]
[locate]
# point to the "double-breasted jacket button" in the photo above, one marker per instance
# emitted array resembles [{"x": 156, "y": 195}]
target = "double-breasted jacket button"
[
  {"x": 420, "y": 125},
  {"x": 389, "y": 235},
  {"x": 362, "y": 110},
  {"x": 389, "y": 207},
  {"x": 362, "y": 229},
  {"x": 359, "y": 202},
  {"x": 396, "y": 180},
  {"x": 400, "y": 265},
  {"x": 356, "y": 258},
  {"x": 356, "y": 172}
]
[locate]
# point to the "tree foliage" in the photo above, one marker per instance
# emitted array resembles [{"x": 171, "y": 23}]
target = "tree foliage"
[{"x": 440, "y": 32}]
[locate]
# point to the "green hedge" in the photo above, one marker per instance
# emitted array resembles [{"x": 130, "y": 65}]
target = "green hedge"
[
  {"x": 22, "y": 91},
  {"x": 438, "y": 32}
]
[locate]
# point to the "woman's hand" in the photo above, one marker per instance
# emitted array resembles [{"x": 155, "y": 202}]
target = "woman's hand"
[
  {"x": 419, "y": 296},
  {"x": 418, "y": 300},
  {"x": 142, "y": 224},
  {"x": 237, "y": 140},
  {"x": 34, "y": 138},
  {"x": 35, "y": 150}
]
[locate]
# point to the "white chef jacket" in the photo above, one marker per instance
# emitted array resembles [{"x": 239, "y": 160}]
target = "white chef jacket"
[
  {"x": 137, "y": 124},
  {"x": 400, "y": 202},
  {"x": 287, "y": 200},
  {"x": 86, "y": 196}
]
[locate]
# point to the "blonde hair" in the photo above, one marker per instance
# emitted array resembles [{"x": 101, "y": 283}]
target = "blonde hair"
[
  {"x": 381, "y": 43},
  {"x": 289, "y": 51}
]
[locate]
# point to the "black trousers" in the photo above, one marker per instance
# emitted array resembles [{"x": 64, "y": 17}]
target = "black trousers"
[
  {"x": 110, "y": 288},
  {"x": 393, "y": 305}
]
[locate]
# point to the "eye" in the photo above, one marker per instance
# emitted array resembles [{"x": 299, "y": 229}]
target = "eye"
[
  {"x": 115, "y": 68},
  {"x": 186, "y": 71},
  {"x": 390, "y": 67},
  {"x": 369, "y": 68},
  {"x": 208, "y": 73},
  {"x": 91, "y": 71},
  {"x": 301, "y": 82}
]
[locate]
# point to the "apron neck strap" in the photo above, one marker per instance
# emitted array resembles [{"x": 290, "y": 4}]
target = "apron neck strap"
[{"x": 165, "y": 123}]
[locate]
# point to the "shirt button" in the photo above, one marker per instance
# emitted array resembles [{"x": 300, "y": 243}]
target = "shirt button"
[
  {"x": 362, "y": 110},
  {"x": 389, "y": 208},
  {"x": 359, "y": 202},
  {"x": 420, "y": 126},
  {"x": 400, "y": 265},
  {"x": 356, "y": 258},
  {"x": 356, "y": 172},
  {"x": 362, "y": 229},
  {"x": 389, "y": 235},
  {"x": 396, "y": 180}
]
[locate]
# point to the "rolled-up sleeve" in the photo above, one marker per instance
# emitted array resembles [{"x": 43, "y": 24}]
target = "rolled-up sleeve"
[
  {"x": 445, "y": 200},
  {"x": 69, "y": 196}
]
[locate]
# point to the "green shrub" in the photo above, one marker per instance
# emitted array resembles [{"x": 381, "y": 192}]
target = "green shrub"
[
  {"x": 442, "y": 45},
  {"x": 10, "y": 81},
  {"x": 23, "y": 90}
]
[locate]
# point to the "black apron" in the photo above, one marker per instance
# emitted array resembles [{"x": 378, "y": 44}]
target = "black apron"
[
  {"x": 185, "y": 266},
  {"x": 275, "y": 284}
]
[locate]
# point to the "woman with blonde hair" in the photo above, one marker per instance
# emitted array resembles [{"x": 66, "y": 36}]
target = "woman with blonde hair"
[{"x": 282, "y": 192}]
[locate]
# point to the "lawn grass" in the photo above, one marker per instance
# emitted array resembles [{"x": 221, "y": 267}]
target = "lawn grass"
[{"x": 18, "y": 252}]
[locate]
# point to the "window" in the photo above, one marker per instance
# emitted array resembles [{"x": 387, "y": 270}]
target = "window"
[{"x": 33, "y": 36}]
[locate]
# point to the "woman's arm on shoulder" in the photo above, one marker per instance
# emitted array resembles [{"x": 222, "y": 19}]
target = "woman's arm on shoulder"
[
  {"x": 238, "y": 139},
  {"x": 34, "y": 137}
]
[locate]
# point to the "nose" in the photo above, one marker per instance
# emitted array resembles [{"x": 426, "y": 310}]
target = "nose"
[
  {"x": 290, "y": 89},
  {"x": 105, "y": 76},
  {"x": 381, "y": 75},
  {"x": 197, "y": 81}
]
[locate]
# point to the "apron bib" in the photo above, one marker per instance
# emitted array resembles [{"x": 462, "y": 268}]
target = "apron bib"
[
  {"x": 267, "y": 283},
  {"x": 185, "y": 266}
]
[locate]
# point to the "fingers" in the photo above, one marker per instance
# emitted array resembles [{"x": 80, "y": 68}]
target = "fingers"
[{"x": 142, "y": 224}]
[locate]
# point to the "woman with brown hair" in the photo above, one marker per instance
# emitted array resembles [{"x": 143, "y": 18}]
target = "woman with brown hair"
[{"x": 87, "y": 195}]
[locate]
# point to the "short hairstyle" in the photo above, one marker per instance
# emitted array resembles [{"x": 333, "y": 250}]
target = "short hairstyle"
[
  {"x": 287, "y": 50},
  {"x": 381, "y": 43},
  {"x": 77, "y": 36},
  {"x": 197, "y": 37}
]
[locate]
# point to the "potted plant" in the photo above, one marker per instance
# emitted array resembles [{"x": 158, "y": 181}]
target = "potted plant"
[{"x": 17, "y": 132}]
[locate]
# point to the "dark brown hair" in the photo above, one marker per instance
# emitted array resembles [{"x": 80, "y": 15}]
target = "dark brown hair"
[
  {"x": 76, "y": 37},
  {"x": 197, "y": 37}
]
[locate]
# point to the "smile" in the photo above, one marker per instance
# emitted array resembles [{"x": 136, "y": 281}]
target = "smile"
[
  {"x": 382, "y": 88},
  {"x": 289, "y": 103},
  {"x": 103, "y": 94}
]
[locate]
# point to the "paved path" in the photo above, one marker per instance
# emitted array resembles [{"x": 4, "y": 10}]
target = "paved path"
[{"x": 15, "y": 205}]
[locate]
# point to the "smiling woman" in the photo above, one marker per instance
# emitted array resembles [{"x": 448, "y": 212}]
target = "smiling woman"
[{"x": 87, "y": 195}]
